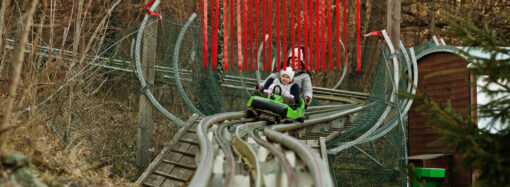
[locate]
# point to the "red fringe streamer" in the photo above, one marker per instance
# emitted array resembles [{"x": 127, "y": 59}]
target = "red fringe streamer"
[
  {"x": 317, "y": 37},
  {"x": 153, "y": 13},
  {"x": 264, "y": 26},
  {"x": 232, "y": 34},
  {"x": 298, "y": 4},
  {"x": 284, "y": 33},
  {"x": 323, "y": 31},
  {"x": 239, "y": 37},
  {"x": 245, "y": 32},
  {"x": 278, "y": 31},
  {"x": 305, "y": 26},
  {"x": 257, "y": 6},
  {"x": 358, "y": 37},
  {"x": 292, "y": 34},
  {"x": 251, "y": 35},
  {"x": 270, "y": 26},
  {"x": 330, "y": 37}
]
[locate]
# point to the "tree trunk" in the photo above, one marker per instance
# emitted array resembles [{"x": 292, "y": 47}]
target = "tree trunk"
[
  {"x": 432, "y": 19},
  {"x": 3, "y": 10},
  {"x": 359, "y": 81},
  {"x": 393, "y": 21},
  {"x": 17, "y": 61}
]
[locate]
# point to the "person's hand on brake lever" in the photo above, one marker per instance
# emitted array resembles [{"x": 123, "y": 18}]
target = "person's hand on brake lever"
[{"x": 308, "y": 100}]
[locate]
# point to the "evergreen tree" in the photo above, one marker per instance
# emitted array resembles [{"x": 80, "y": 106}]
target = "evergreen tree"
[{"x": 481, "y": 150}]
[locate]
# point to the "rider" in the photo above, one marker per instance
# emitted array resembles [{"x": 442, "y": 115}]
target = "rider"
[
  {"x": 302, "y": 77},
  {"x": 288, "y": 90}
]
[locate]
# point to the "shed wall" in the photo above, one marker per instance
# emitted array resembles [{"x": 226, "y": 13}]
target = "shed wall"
[{"x": 454, "y": 87}]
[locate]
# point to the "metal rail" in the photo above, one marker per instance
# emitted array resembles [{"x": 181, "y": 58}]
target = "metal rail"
[
  {"x": 278, "y": 153},
  {"x": 227, "y": 148},
  {"x": 320, "y": 174},
  {"x": 247, "y": 154},
  {"x": 203, "y": 172}
]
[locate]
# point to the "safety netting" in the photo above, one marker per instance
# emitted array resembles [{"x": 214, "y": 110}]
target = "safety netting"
[
  {"x": 372, "y": 149},
  {"x": 373, "y": 159}
]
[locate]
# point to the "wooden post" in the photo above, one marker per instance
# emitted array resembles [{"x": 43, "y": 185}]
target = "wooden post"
[
  {"x": 393, "y": 21},
  {"x": 145, "y": 107}
]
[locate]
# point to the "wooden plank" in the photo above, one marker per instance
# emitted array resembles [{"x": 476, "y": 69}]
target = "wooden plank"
[
  {"x": 188, "y": 161},
  {"x": 170, "y": 176},
  {"x": 154, "y": 180},
  {"x": 189, "y": 137},
  {"x": 165, "y": 150},
  {"x": 312, "y": 143},
  {"x": 172, "y": 183},
  {"x": 181, "y": 146},
  {"x": 323, "y": 149},
  {"x": 182, "y": 173},
  {"x": 193, "y": 149},
  {"x": 173, "y": 157},
  {"x": 165, "y": 168},
  {"x": 185, "y": 162}
]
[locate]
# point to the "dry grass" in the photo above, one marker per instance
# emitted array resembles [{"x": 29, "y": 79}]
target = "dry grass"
[{"x": 84, "y": 134}]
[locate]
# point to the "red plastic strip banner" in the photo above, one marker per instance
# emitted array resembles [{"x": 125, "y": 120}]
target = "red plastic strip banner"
[
  {"x": 270, "y": 26},
  {"x": 345, "y": 33},
  {"x": 337, "y": 11},
  {"x": 375, "y": 33},
  {"x": 232, "y": 34},
  {"x": 317, "y": 37},
  {"x": 264, "y": 27},
  {"x": 245, "y": 32},
  {"x": 278, "y": 32},
  {"x": 225, "y": 33},
  {"x": 203, "y": 9},
  {"x": 330, "y": 37},
  {"x": 310, "y": 34},
  {"x": 257, "y": 6},
  {"x": 358, "y": 36},
  {"x": 239, "y": 37},
  {"x": 284, "y": 33},
  {"x": 215, "y": 35},
  {"x": 305, "y": 33},
  {"x": 292, "y": 34},
  {"x": 323, "y": 31},
  {"x": 298, "y": 4},
  {"x": 251, "y": 35},
  {"x": 149, "y": 11}
]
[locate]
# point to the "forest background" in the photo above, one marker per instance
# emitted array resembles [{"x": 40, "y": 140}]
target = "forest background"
[{"x": 83, "y": 132}]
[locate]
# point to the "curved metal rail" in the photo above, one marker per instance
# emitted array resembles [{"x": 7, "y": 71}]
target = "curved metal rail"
[
  {"x": 203, "y": 172},
  {"x": 248, "y": 154},
  {"x": 320, "y": 174},
  {"x": 278, "y": 153},
  {"x": 226, "y": 148}
]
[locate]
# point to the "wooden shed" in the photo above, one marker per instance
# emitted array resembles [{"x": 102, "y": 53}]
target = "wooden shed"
[{"x": 455, "y": 87}]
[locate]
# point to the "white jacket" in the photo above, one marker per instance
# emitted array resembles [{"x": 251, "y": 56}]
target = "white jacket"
[
  {"x": 302, "y": 79},
  {"x": 285, "y": 87}
]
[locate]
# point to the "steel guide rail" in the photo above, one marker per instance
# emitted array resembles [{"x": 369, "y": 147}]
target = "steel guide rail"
[
  {"x": 278, "y": 153},
  {"x": 320, "y": 174},
  {"x": 227, "y": 148},
  {"x": 154, "y": 176},
  {"x": 204, "y": 170}
]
